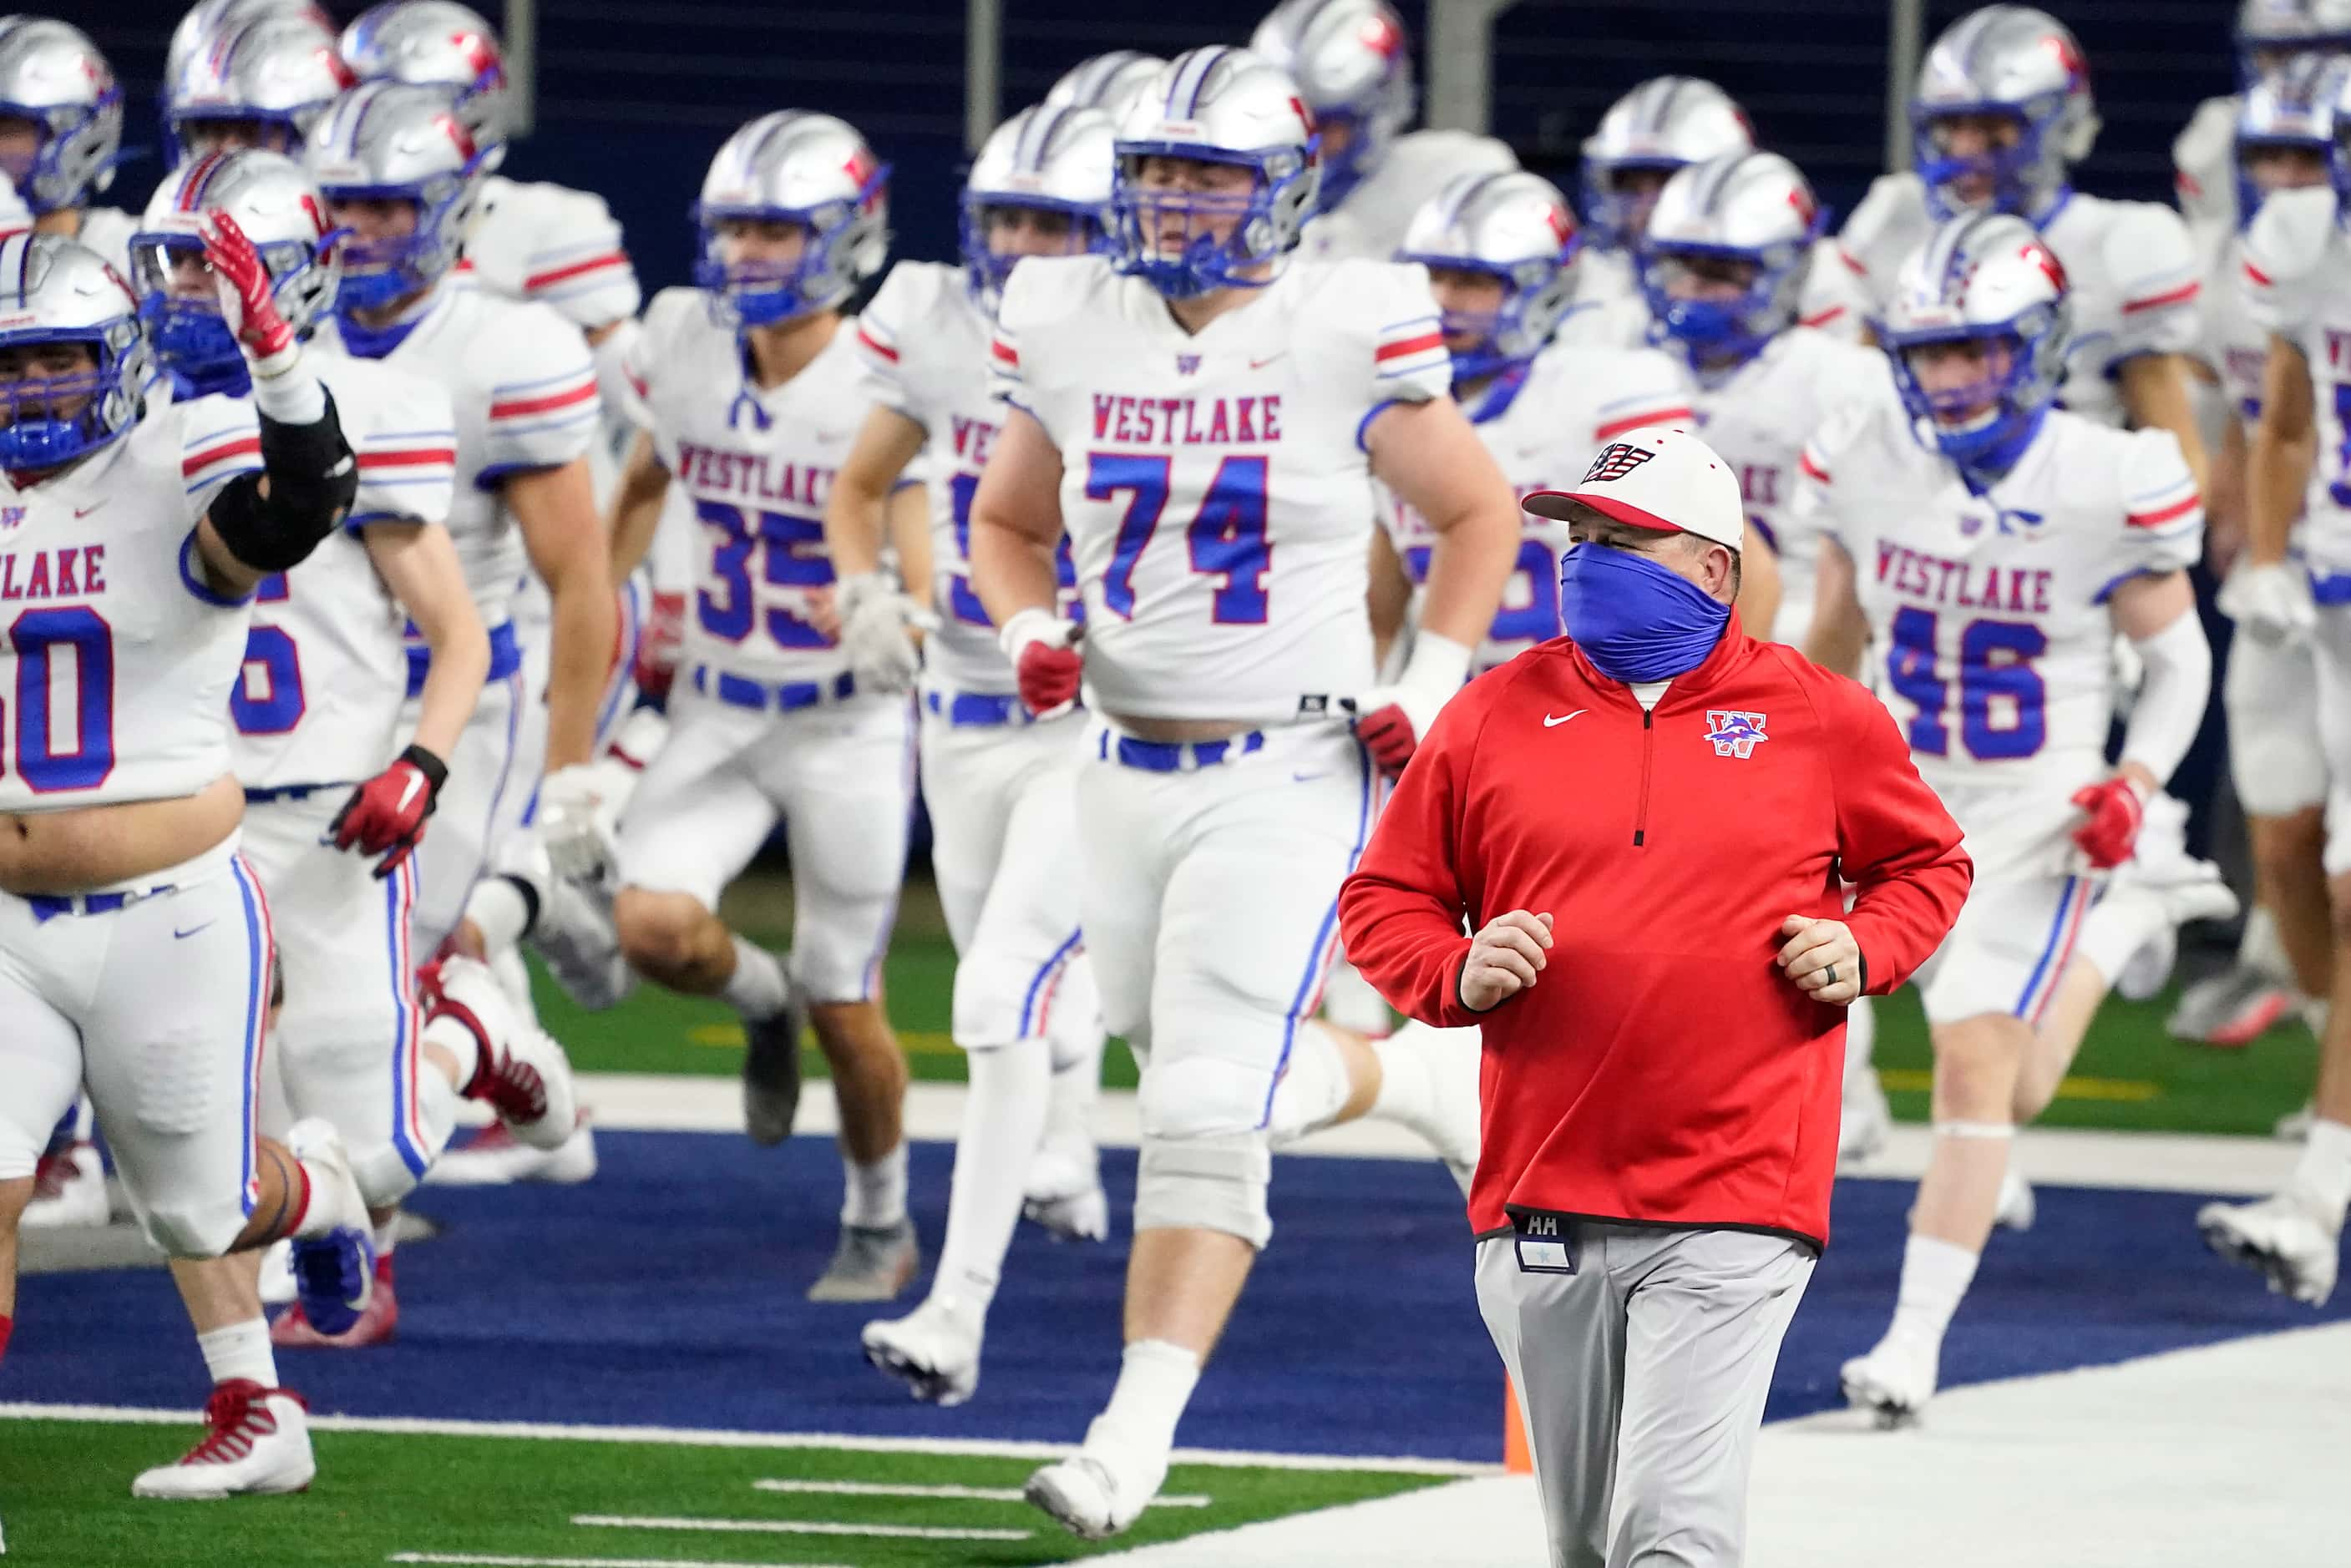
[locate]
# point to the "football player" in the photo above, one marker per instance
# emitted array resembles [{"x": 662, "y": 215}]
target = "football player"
[
  {"x": 61, "y": 133},
  {"x": 1204, "y": 414},
  {"x": 263, "y": 83},
  {"x": 1725, "y": 257},
  {"x": 1108, "y": 82},
  {"x": 998, "y": 782},
  {"x": 754, "y": 391},
  {"x": 1993, "y": 545},
  {"x": 2207, "y": 166},
  {"x": 135, "y": 943},
  {"x": 1352, "y": 62},
  {"x": 401, "y": 170},
  {"x": 2295, "y": 260},
  {"x": 2283, "y": 132}
]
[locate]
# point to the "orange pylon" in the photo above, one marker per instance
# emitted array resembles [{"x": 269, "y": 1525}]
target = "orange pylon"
[{"x": 1516, "y": 1458}]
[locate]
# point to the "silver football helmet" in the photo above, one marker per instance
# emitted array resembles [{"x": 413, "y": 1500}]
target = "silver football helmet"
[
  {"x": 275, "y": 75},
  {"x": 2271, "y": 32},
  {"x": 2014, "y": 63},
  {"x": 1049, "y": 159},
  {"x": 2293, "y": 107},
  {"x": 52, "y": 74},
  {"x": 54, "y": 291},
  {"x": 389, "y": 141},
  {"x": 1107, "y": 82},
  {"x": 1516, "y": 227},
  {"x": 803, "y": 168},
  {"x": 1723, "y": 264},
  {"x": 209, "y": 21},
  {"x": 1215, "y": 105},
  {"x": 1982, "y": 277},
  {"x": 278, "y": 205},
  {"x": 438, "y": 43},
  {"x": 1666, "y": 123},
  {"x": 1352, "y": 62}
]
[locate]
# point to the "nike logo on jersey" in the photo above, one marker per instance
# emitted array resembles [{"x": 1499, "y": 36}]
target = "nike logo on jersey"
[
  {"x": 1262, "y": 364},
  {"x": 192, "y": 930},
  {"x": 82, "y": 512},
  {"x": 1552, "y": 722}
]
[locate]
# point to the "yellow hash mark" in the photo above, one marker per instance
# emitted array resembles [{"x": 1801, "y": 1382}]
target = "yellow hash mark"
[
  {"x": 2132, "y": 1090},
  {"x": 917, "y": 1042}
]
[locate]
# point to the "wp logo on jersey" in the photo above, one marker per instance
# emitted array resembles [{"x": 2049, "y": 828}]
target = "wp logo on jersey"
[
  {"x": 1734, "y": 734},
  {"x": 1615, "y": 461}
]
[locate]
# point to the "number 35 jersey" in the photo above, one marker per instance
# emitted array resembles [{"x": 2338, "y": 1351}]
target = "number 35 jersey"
[
  {"x": 1214, "y": 486},
  {"x": 758, "y": 465},
  {"x": 116, "y": 658},
  {"x": 325, "y": 673},
  {"x": 1987, "y": 615}
]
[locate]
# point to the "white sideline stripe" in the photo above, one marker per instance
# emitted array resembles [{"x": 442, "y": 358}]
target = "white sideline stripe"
[
  {"x": 693, "y": 1438},
  {"x": 966, "y": 1493},
  {"x": 796, "y": 1527},
  {"x": 482, "y": 1559},
  {"x": 2152, "y": 1162}
]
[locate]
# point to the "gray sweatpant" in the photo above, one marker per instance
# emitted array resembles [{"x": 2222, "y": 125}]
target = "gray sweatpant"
[{"x": 1642, "y": 1373}]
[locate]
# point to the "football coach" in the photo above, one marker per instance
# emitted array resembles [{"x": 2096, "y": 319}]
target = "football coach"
[{"x": 1649, "y": 825}]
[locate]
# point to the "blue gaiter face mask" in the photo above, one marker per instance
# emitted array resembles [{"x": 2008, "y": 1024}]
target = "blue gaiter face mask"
[{"x": 1633, "y": 619}]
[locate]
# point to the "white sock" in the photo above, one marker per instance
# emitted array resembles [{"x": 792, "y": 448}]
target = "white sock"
[
  {"x": 464, "y": 1046},
  {"x": 2117, "y": 926},
  {"x": 875, "y": 1194},
  {"x": 1155, "y": 1380},
  {"x": 2325, "y": 1169},
  {"x": 757, "y": 988},
  {"x": 1003, "y": 1118},
  {"x": 1934, "y": 1278},
  {"x": 1860, "y": 1042},
  {"x": 1313, "y": 1087},
  {"x": 386, "y": 1235},
  {"x": 240, "y": 1350}
]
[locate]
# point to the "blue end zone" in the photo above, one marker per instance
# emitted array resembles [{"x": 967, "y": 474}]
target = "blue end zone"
[{"x": 668, "y": 1292}]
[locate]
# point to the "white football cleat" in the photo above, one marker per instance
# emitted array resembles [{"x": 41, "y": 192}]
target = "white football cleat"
[
  {"x": 69, "y": 1191},
  {"x": 2189, "y": 890},
  {"x": 1893, "y": 1382},
  {"x": 2293, "y": 1239},
  {"x": 2294, "y": 1125},
  {"x": 521, "y": 1072},
  {"x": 1064, "y": 1192},
  {"x": 1866, "y": 1121},
  {"x": 495, "y": 1157},
  {"x": 1089, "y": 1495},
  {"x": 933, "y": 1350},
  {"x": 2018, "y": 1208},
  {"x": 257, "y": 1441}
]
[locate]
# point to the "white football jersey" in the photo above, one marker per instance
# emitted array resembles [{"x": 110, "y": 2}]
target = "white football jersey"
[
  {"x": 2132, "y": 280},
  {"x": 1542, "y": 424},
  {"x": 924, "y": 339},
  {"x": 1989, "y": 613},
  {"x": 1760, "y": 417},
  {"x": 523, "y": 392},
  {"x": 1370, "y": 225},
  {"x": 1608, "y": 291},
  {"x": 2204, "y": 174},
  {"x": 758, "y": 465},
  {"x": 2236, "y": 344},
  {"x": 553, "y": 244},
  {"x": 116, "y": 659},
  {"x": 2297, "y": 280},
  {"x": 1214, "y": 487},
  {"x": 325, "y": 673}
]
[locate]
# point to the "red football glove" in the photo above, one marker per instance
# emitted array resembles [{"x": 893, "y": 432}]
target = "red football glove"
[
  {"x": 658, "y": 645},
  {"x": 1388, "y": 735},
  {"x": 246, "y": 303},
  {"x": 1045, "y": 659},
  {"x": 386, "y": 814},
  {"x": 2115, "y": 810}
]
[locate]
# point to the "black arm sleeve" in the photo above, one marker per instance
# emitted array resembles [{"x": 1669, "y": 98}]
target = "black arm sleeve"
[{"x": 313, "y": 479}]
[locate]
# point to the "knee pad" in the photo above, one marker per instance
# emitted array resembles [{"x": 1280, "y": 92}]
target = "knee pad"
[
  {"x": 1185, "y": 1095},
  {"x": 1213, "y": 1183},
  {"x": 189, "y": 1227},
  {"x": 1001, "y": 995},
  {"x": 832, "y": 966}
]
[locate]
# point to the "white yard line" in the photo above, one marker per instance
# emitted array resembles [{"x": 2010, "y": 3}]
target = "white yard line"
[
  {"x": 795, "y": 1527},
  {"x": 688, "y": 1437},
  {"x": 964, "y": 1493},
  {"x": 485, "y": 1560},
  {"x": 2157, "y": 1162}
]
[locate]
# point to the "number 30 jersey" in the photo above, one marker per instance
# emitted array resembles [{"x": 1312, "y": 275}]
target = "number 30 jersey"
[
  {"x": 116, "y": 658},
  {"x": 325, "y": 673},
  {"x": 758, "y": 465},
  {"x": 1214, "y": 486},
  {"x": 1989, "y": 613},
  {"x": 1542, "y": 425}
]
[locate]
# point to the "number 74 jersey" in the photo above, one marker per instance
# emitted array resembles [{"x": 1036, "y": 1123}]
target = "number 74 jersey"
[{"x": 1991, "y": 640}]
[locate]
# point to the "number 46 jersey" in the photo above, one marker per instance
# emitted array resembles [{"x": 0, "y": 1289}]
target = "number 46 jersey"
[
  {"x": 1214, "y": 486},
  {"x": 1987, "y": 615}
]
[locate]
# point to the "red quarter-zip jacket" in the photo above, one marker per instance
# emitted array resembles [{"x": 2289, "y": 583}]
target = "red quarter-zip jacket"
[{"x": 1662, "y": 1070}]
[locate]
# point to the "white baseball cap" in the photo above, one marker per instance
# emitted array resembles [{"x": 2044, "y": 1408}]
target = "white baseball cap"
[{"x": 1662, "y": 478}]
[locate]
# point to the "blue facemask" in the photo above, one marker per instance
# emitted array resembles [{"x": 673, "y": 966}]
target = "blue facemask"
[{"x": 1633, "y": 619}]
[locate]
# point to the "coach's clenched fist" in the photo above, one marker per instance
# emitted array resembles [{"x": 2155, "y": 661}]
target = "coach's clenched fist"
[
  {"x": 1822, "y": 958},
  {"x": 1504, "y": 959}
]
